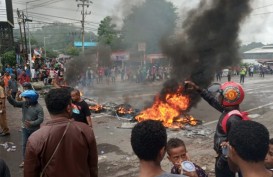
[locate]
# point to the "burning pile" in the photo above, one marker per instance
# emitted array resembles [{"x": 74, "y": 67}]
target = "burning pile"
[
  {"x": 170, "y": 109},
  {"x": 124, "y": 109},
  {"x": 96, "y": 108}
]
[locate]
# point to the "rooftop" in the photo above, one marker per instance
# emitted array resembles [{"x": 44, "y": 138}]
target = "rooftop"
[{"x": 262, "y": 50}]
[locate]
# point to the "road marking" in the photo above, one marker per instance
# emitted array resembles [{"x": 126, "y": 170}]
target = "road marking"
[
  {"x": 259, "y": 107},
  {"x": 257, "y": 88}
]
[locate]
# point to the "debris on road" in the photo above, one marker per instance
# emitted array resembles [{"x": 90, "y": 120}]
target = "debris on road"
[{"x": 9, "y": 146}]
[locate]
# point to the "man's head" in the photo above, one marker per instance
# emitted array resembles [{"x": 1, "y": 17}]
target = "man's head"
[
  {"x": 148, "y": 140},
  {"x": 75, "y": 95},
  {"x": 27, "y": 86},
  {"x": 176, "y": 150},
  {"x": 58, "y": 101},
  {"x": 248, "y": 142},
  {"x": 12, "y": 76},
  {"x": 269, "y": 155}
]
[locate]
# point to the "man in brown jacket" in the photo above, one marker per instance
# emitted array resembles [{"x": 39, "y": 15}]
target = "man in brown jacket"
[{"x": 63, "y": 147}]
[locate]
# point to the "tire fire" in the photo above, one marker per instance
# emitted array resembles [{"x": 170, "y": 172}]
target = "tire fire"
[{"x": 171, "y": 111}]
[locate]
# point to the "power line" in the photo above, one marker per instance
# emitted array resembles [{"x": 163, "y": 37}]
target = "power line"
[
  {"x": 263, "y": 6},
  {"x": 44, "y": 4},
  {"x": 61, "y": 17},
  {"x": 263, "y": 13}
]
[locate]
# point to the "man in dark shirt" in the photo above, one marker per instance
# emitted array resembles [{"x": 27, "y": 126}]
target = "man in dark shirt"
[{"x": 80, "y": 109}]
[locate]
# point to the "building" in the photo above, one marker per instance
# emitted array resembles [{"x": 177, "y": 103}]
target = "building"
[
  {"x": 263, "y": 55},
  {"x": 6, "y": 25}
]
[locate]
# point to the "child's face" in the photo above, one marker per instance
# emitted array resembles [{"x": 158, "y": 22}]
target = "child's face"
[{"x": 177, "y": 155}]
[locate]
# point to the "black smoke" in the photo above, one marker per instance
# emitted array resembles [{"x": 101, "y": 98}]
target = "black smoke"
[
  {"x": 76, "y": 67},
  {"x": 209, "y": 41}
]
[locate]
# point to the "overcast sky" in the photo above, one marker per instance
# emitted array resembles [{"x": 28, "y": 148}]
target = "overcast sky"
[{"x": 257, "y": 28}]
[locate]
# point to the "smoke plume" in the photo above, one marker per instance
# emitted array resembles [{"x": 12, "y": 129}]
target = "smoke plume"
[
  {"x": 77, "y": 66},
  {"x": 209, "y": 40}
]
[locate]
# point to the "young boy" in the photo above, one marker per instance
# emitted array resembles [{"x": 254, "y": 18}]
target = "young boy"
[{"x": 177, "y": 153}]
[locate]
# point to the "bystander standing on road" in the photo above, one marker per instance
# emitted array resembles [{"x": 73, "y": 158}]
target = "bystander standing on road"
[
  {"x": 80, "y": 109},
  {"x": 13, "y": 86},
  {"x": 149, "y": 140},
  {"x": 247, "y": 148},
  {"x": 242, "y": 75},
  {"x": 63, "y": 147},
  {"x": 33, "y": 115},
  {"x": 218, "y": 75},
  {"x": 6, "y": 79},
  {"x": 229, "y": 74},
  {"x": 3, "y": 113}
]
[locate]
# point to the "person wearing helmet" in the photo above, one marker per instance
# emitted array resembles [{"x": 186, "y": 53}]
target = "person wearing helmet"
[
  {"x": 33, "y": 115},
  {"x": 229, "y": 97}
]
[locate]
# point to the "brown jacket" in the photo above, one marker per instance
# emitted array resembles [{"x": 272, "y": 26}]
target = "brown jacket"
[{"x": 76, "y": 156}]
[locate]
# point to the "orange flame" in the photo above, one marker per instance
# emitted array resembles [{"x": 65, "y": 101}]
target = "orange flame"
[
  {"x": 122, "y": 110},
  {"x": 169, "y": 111},
  {"x": 96, "y": 108}
]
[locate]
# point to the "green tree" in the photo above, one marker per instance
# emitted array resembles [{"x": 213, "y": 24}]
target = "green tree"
[
  {"x": 73, "y": 51},
  {"x": 148, "y": 23},
  {"x": 9, "y": 57},
  {"x": 58, "y": 36},
  {"x": 107, "y": 35},
  {"x": 51, "y": 54}
]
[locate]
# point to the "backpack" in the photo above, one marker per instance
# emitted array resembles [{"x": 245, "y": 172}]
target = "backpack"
[{"x": 243, "y": 115}]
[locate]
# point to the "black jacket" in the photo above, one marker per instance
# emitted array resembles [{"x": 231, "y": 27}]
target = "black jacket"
[{"x": 219, "y": 135}]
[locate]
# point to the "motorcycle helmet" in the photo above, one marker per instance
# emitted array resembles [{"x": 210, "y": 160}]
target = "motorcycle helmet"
[
  {"x": 31, "y": 95},
  {"x": 233, "y": 93}
]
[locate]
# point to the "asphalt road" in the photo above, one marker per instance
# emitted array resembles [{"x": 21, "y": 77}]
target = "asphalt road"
[{"x": 115, "y": 154}]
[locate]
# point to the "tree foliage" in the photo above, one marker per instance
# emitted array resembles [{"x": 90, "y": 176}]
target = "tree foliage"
[
  {"x": 73, "y": 51},
  {"x": 51, "y": 54},
  {"x": 148, "y": 23},
  {"x": 60, "y": 36},
  {"x": 9, "y": 57},
  {"x": 107, "y": 33}
]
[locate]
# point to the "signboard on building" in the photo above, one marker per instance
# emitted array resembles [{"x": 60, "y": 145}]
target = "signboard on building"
[
  {"x": 142, "y": 47},
  {"x": 120, "y": 56},
  {"x": 86, "y": 44},
  {"x": 6, "y": 11}
]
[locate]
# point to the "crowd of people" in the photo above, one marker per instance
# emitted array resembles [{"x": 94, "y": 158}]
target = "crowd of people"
[
  {"x": 243, "y": 146},
  {"x": 109, "y": 75},
  {"x": 243, "y": 72}
]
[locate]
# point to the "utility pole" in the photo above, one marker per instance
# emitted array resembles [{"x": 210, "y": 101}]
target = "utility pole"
[
  {"x": 24, "y": 23},
  {"x": 83, "y": 3},
  {"x": 22, "y": 19},
  {"x": 21, "y": 35}
]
